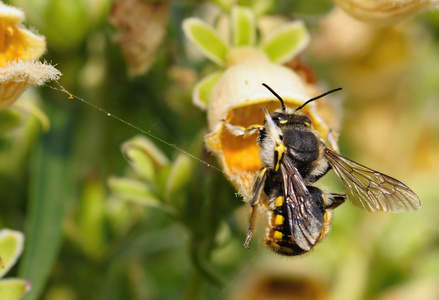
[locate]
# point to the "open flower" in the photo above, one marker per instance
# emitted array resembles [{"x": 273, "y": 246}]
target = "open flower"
[
  {"x": 19, "y": 50},
  {"x": 15, "y": 40},
  {"x": 11, "y": 246},
  {"x": 279, "y": 47},
  {"x": 18, "y": 75},
  {"x": 236, "y": 94}
]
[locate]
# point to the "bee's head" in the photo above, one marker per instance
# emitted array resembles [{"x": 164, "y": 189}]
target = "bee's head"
[{"x": 282, "y": 119}]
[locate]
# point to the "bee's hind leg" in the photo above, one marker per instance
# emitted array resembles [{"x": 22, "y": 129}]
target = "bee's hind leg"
[
  {"x": 336, "y": 200},
  {"x": 257, "y": 191}
]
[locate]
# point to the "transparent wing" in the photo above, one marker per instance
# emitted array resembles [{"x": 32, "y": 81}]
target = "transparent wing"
[
  {"x": 304, "y": 217},
  {"x": 370, "y": 189}
]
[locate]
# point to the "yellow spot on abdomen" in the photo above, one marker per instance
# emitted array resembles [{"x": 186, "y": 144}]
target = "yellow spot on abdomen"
[
  {"x": 278, "y": 235},
  {"x": 279, "y": 220},
  {"x": 279, "y": 201}
]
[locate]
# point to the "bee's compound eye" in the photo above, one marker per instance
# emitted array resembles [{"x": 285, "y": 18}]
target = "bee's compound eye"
[
  {"x": 279, "y": 118},
  {"x": 276, "y": 119},
  {"x": 307, "y": 121}
]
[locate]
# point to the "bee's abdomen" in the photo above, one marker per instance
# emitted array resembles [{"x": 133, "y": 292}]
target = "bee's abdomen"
[{"x": 279, "y": 238}]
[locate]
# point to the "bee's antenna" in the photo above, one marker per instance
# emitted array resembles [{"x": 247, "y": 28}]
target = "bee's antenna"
[
  {"x": 315, "y": 98},
  {"x": 277, "y": 96}
]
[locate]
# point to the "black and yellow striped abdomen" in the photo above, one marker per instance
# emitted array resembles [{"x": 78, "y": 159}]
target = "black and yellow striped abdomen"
[{"x": 279, "y": 237}]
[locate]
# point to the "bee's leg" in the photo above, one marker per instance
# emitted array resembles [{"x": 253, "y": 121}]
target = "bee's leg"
[
  {"x": 251, "y": 226},
  {"x": 240, "y": 130},
  {"x": 337, "y": 200},
  {"x": 257, "y": 191}
]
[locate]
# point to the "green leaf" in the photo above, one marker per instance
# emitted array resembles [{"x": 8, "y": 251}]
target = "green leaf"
[
  {"x": 243, "y": 26},
  {"x": 202, "y": 90},
  {"x": 137, "y": 192},
  {"x": 141, "y": 163},
  {"x": 133, "y": 190},
  {"x": 57, "y": 19},
  {"x": 263, "y": 7},
  {"x": 11, "y": 246},
  {"x": 178, "y": 179},
  {"x": 144, "y": 156},
  {"x": 206, "y": 39},
  {"x": 9, "y": 118},
  {"x": 91, "y": 218},
  {"x": 13, "y": 289},
  {"x": 286, "y": 42},
  {"x": 224, "y": 4},
  {"x": 50, "y": 189}
]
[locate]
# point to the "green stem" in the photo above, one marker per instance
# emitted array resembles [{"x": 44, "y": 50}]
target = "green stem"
[
  {"x": 195, "y": 287},
  {"x": 203, "y": 266},
  {"x": 49, "y": 192}
]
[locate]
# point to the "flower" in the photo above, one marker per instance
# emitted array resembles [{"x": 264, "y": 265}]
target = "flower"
[
  {"x": 236, "y": 94},
  {"x": 18, "y": 75},
  {"x": 16, "y": 41},
  {"x": 281, "y": 46},
  {"x": 19, "y": 50}
]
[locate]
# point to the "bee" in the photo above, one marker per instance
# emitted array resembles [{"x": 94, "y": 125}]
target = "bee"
[{"x": 293, "y": 158}]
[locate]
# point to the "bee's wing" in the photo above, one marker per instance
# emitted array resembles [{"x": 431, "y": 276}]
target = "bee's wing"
[
  {"x": 305, "y": 218},
  {"x": 370, "y": 189}
]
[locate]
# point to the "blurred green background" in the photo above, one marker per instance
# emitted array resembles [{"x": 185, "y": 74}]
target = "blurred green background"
[{"x": 73, "y": 193}]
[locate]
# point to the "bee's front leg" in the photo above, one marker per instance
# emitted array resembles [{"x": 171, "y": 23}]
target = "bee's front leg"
[
  {"x": 257, "y": 191},
  {"x": 240, "y": 130}
]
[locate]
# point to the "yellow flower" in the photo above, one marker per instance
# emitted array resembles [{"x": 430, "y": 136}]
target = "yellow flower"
[
  {"x": 18, "y": 75},
  {"x": 239, "y": 98},
  {"x": 19, "y": 50},
  {"x": 16, "y": 41}
]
